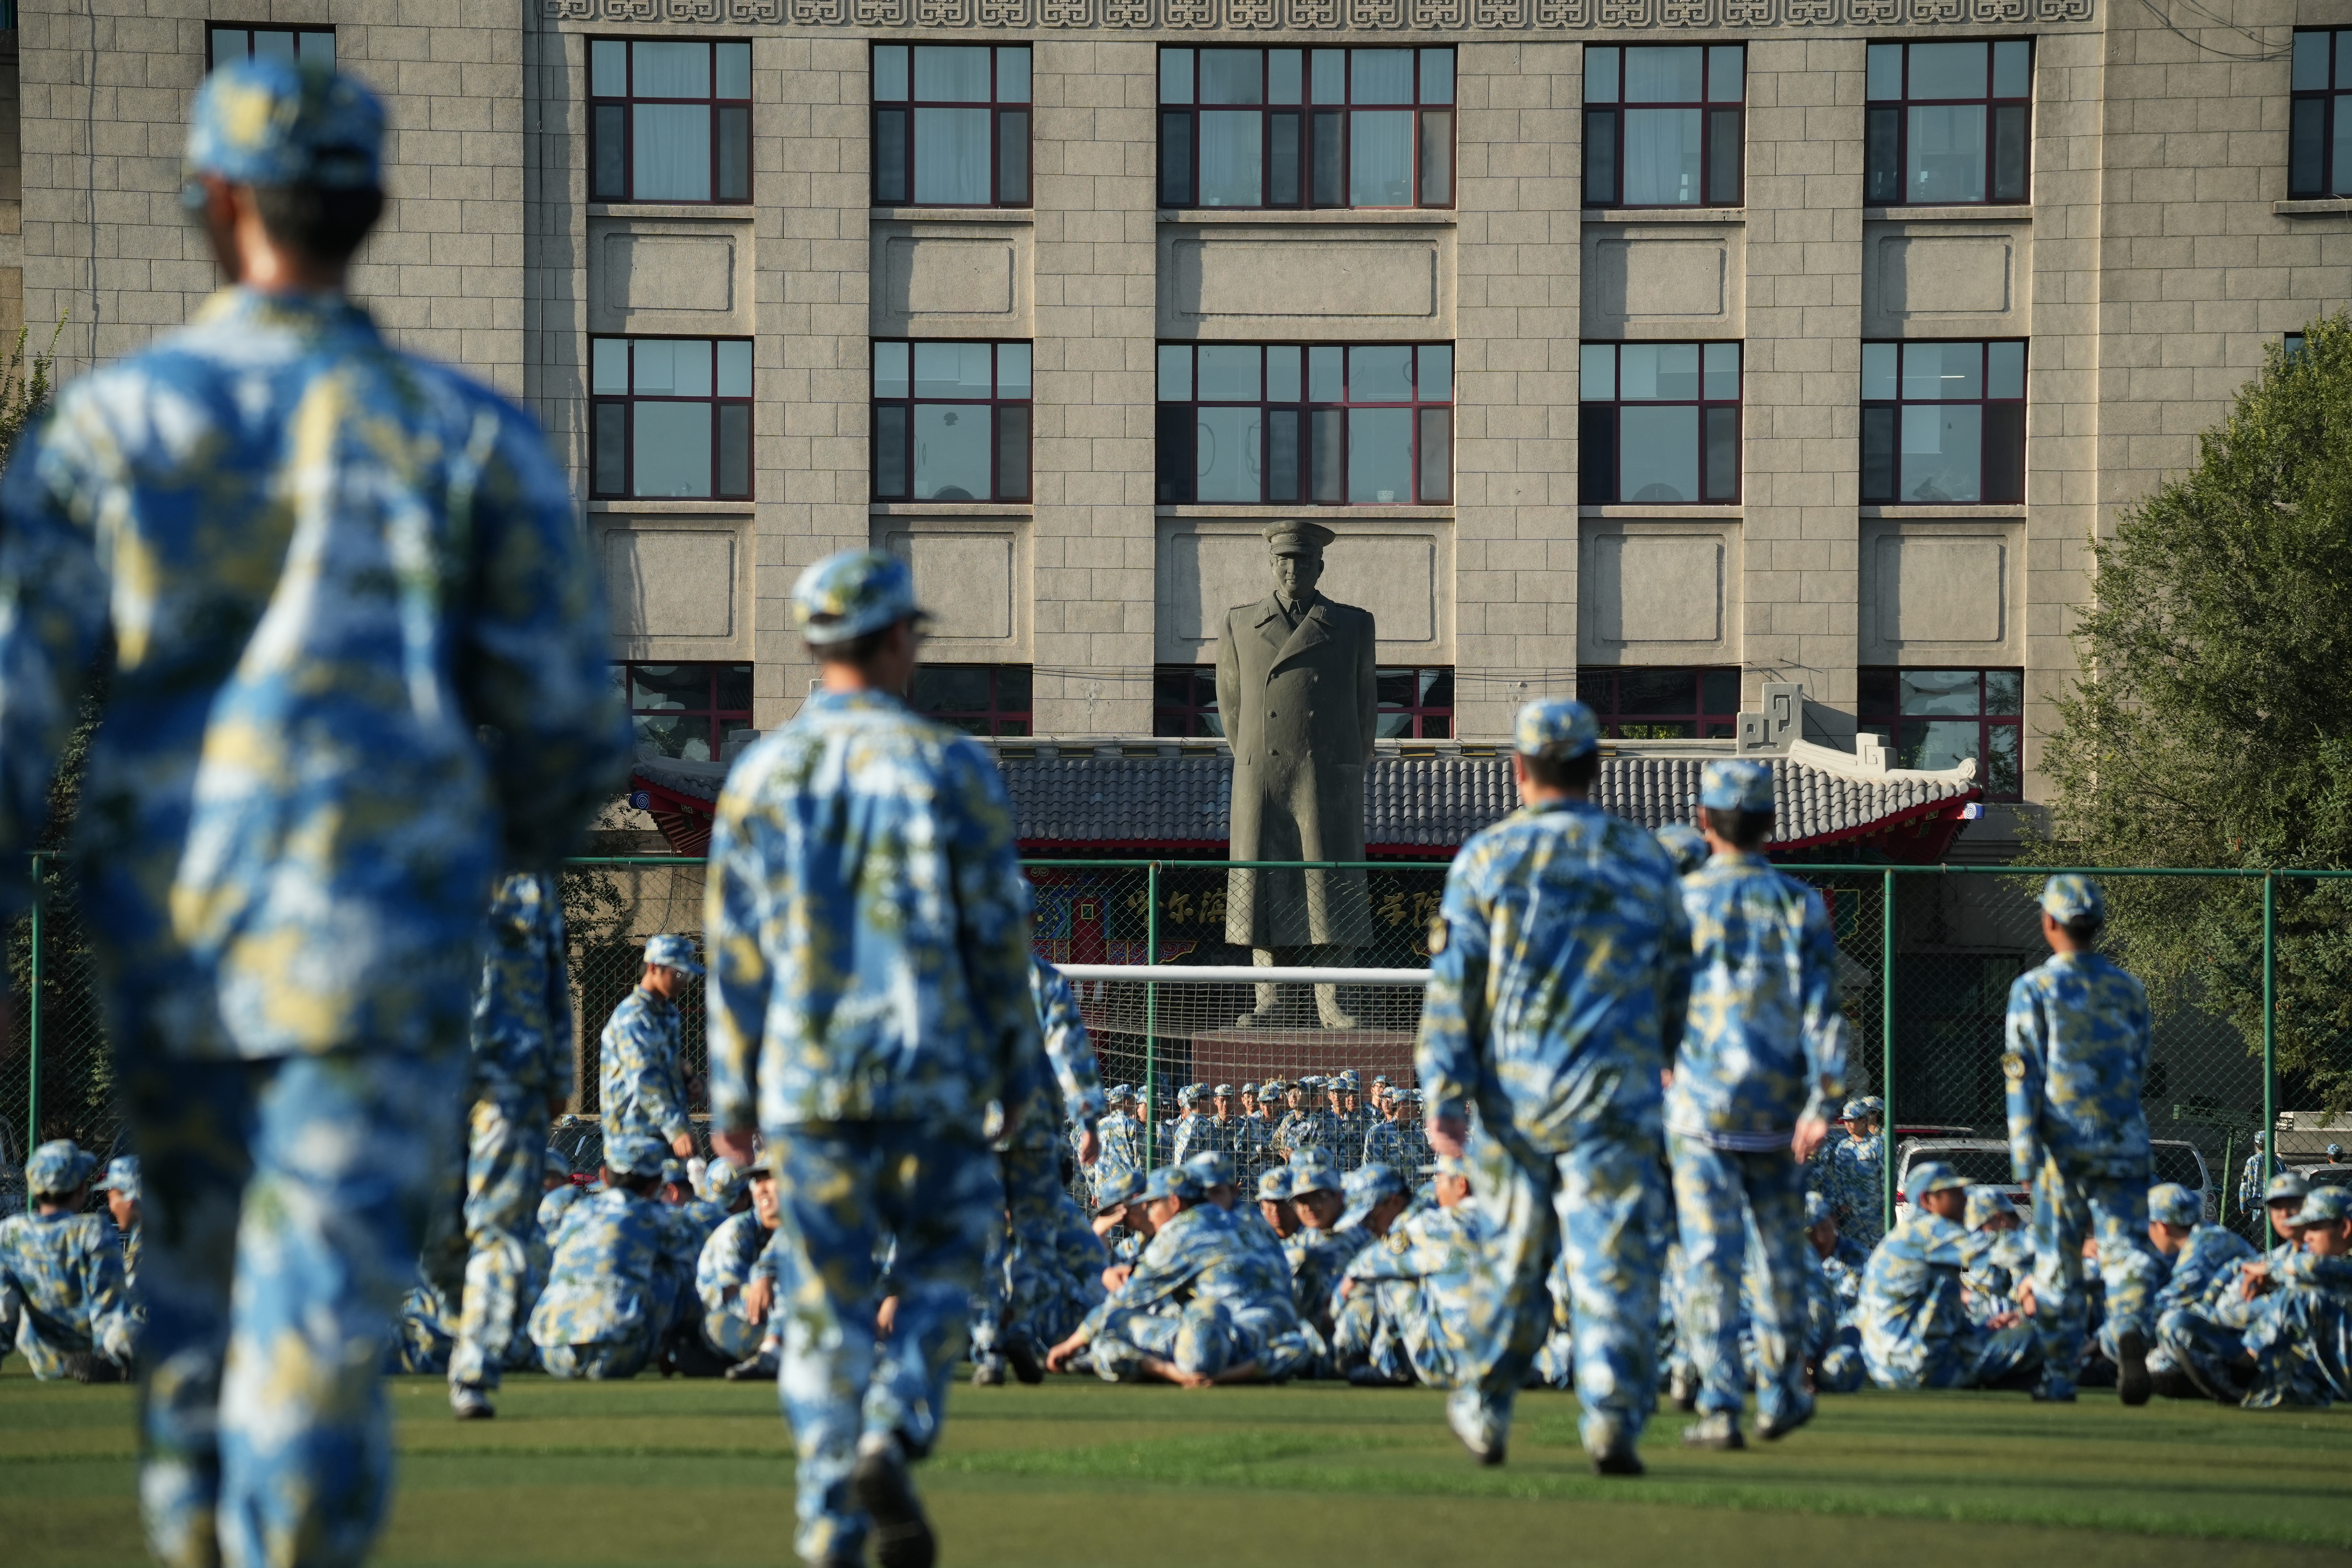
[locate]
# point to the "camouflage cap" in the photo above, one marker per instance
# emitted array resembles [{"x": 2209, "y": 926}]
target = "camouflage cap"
[
  {"x": 1120, "y": 1091},
  {"x": 636, "y": 1154},
  {"x": 1379, "y": 1077},
  {"x": 1369, "y": 1183},
  {"x": 1223, "y": 1091},
  {"x": 673, "y": 1171},
  {"x": 1113, "y": 1188},
  {"x": 1685, "y": 846},
  {"x": 1271, "y": 1085},
  {"x": 1558, "y": 728},
  {"x": 1273, "y": 1186},
  {"x": 273, "y": 122},
  {"x": 673, "y": 953},
  {"x": 2169, "y": 1203},
  {"x": 1736, "y": 784},
  {"x": 2070, "y": 896},
  {"x": 2326, "y": 1206},
  {"x": 1314, "y": 1171},
  {"x": 1171, "y": 1181},
  {"x": 2287, "y": 1186},
  {"x": 1346, "y": 1079},
  {"x": 721, "y": 1180},
  {"x": 852, "y": 593},
  {"x": 1931, "y": 1176},
  {"x": 122, "y": 1176},
  {"x": 58, "y": 1167},
  {"x": 1187, "y": 1095},
  {"x": 1817, "y": 1209},
  {"x": 1250, "y": 1089},
  {"x": 1863, "y": 1107},
  {"x": 1299, "y": 538},
  {"x": 1214, "y": 1168},
  {"x": 1984, "y": 1202}
]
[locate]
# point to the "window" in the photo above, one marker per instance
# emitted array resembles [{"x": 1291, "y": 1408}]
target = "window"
[
  {"x": 1660, "y": 424},
  {"x": 1942, "y": 422},
  {"x": 952, "y": 125},
  {"x": 1937, "y": 718},
  {"x": 669, "y": 120},
  {"x": 1413, "y": 703},
  {"x": 978, "y": 698},
  {"x": 225, "y": 42},
  {"x": 2291, "y": 346},
  {"x": 1948, "y": 123},
  {"x": 1638, "y": 703},
  {"x": 2319, "y": 142},
  {"x": 1306, "y": 128},
  {"x": 1661, "y": 125},
  {"x": 672, "y": 416},
  {"x": 1276, "y": 423},
  {"x": 686, "y": 711},
  {"x": 950, "y": 421}
]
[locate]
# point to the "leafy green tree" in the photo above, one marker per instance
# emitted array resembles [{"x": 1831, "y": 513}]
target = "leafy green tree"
[{"x": 2212, "y": 724}]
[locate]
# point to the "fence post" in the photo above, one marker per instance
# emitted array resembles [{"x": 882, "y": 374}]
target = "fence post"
[
  {"x": 33, "y": 1024},
  {"x": 2270, "y": 1031},
  {"x": 1886, "y": 1050},
  {"x": 1151, "y": 1022}
]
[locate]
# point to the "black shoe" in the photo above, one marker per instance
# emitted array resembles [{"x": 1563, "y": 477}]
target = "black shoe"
[
  {"x": 757, "y": 1367},
  {"x": 1024, "y": 1357},
  {"x": 2043, "y": 1396},
  {"x": 988, "y": 1373},
  {"x": 1373, "y": 1377},
  {"x": 88, "y": 1366},
  {"x": 883, "y": 1492},
  {"x": 1773, "y": 1431},
  {"x": 2174, "y": 1384},
  {"x": 1719, "y": 1431},
  {"x": 2132, "y": 1384},
  {"x": 1618, "y": 1462}
]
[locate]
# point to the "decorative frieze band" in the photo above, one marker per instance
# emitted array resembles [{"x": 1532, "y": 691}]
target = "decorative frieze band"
[{"x": 1330, "y": 15}]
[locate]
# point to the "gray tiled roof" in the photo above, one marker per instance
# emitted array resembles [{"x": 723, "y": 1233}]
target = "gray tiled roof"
[{"x": 1431, "y": 802}]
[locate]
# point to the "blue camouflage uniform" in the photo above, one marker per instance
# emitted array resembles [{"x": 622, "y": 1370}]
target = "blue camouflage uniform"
[
  {"x": 63, "y": 1303},
  {"x": 1994, "y": 1263},
  {"x": 1833, "y": 1293},
  {"x": 1205, "y": 1296},
  {"x": 324, "y": 564},
  {"x": 620, "y": 1279},
  {"x": 643, "y": 1089},
  {"x": 2301, "y": 1345},
  {"x": 2205, "y": 1254},
  {"x": 729, "y": 1261},
  {"x": 1916, "y": 1331},
  {"x": 1405, "y": 1318},
  {"x": 522, "y": 1039},
  {"x": 1763, "y": 1047},
  {"x": 1121, "y": 1135},
  {"x": 1559, "y": 970},
  {"x": 869, "y": 931},
  {"x": 1318, "y": 1259},
  {"x": 123, "y": 1177},
  {"x": 1856, "y": 1185},
  {"x": 1401, "y": 1144},
  {"x": 2077, "y": 1053}
]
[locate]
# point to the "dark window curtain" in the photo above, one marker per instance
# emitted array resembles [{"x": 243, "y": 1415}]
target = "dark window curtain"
[
  {"x": 1723, "y": 155},
  {"x": 1436, "y": 455},
  {"x": 1722, "y": 455},
  {"x": 1012, "y": 157},
  {"x": 1596, "y": 453},
  {"x": 611, "y": 156},
  {"x": 1013, "y": 452},
  {"x": 612, "y": 449},
  {"x": 1285, "y": 159},
  {"x": 1175, "y": 450},
  {"x": 1882, "y": 157},
  {"x": 890, "y": 157},
  {"x": 1331, "y": 136},
  {"x": 2306, "y": 166},
  {"x": 2008, "y": 154},
  {"x": 1878, "y": 453},
  {"x": 735, "y": 449},
  {"x": 1436, "y": 157},
  {"x": 1175, "y": 158},
  {"x": 2004, "y": 452},
  {"x": 734, "y": 183},
  {"x": 1600, "y": 157},
  {"x": 890, "y": 454}
]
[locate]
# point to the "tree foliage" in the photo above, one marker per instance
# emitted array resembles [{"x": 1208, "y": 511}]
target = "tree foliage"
[{"x": 2212, "y": 722}]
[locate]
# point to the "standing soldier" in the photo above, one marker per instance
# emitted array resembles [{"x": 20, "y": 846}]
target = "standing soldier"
[
  {"x": 1856, "y": 1187},
  {"x": 643, "y": 1083},
  {"x": 2078, "y": 1043},
  {"x": 1399, "y": 1141},
  {"x": 1559, "y": 966},
  {"x": 522, "y": 1078},
  {"x": 1762, "y": 1061},
  {"x": 326, "y": 567},
  {"x": 870, "y": 927},
  {"x": 1121, "y": 1134}
]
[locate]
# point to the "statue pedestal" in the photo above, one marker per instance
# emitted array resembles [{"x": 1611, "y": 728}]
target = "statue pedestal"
[{"x": 1249, "y": 1056}]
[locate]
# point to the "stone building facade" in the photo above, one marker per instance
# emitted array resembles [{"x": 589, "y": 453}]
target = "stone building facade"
[{"x": 1687, "y": 409}]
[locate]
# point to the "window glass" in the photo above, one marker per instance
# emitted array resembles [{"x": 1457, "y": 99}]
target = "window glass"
[
  {"x": 1943, "y": 422},
  {"x": 1410, "y": 702},
  {"x": 952, "y": 125},
  {"x": 671, "y": 417},
  {"x": 978, "y": 698},
  {"x": 669, "y": 120},
  {"x": 1947, "y": 123},
  {"x": 1675, "y": 702},
  {"x": 957, "y": 428},
  {"x": 1377, "y": 130},
  {"x": 1659, "y": 424},
  {"x": 304, "y": 45},
  {"x": 686, "y": 711},
  {"x": 2319, "y": 135},
  {"x": 1240, "y": 425},
  {"x": 1939, "y": 719},
  {"x": 1663, "y": 125}
]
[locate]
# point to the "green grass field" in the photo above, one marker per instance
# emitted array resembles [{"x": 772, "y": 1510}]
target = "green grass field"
[{"x": 1080, "y": 1473}]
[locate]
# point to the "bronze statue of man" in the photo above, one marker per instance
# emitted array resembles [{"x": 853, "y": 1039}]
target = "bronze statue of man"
[{"x": 1296, "y": 689}]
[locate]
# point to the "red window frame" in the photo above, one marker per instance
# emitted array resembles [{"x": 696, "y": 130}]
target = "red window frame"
[
  {"x": 1628, "y": 701},
  {"x": 610, "y": 119},
  {"x": 1304, "y": 127},
  {"x": 896, "y": 123},
  {"x": 613, "y": 418},
  {"x": 719, "y": 718},
  {"x": 1007, "y": 709},
  {"x": 1879, "y": 708}
]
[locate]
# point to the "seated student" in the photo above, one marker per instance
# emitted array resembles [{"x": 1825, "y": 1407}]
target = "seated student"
[
  {"x": 619, "y": 1283},
  {"x": 1832, "y": 1295},
  {"x": 1915, "y": 1332},
  {"x": 121, "y": 1185},
  {"x": 1997, "y": 1257},
  {"x": 2271, "y": 1330},
  {"x": 1220, "y": 1184},
  {"x": 1155, "y": 1324},
  {"x": 722, "y": 1191},
  {"x": 1405, "y": 1298},
  {"x": 2195, "y": 1254},
  {"x": 1320, "y": 1251},
  {"x": 1121, "y": 1222},
  {"x": 62, "y": 1299},
  {"x": 1273, "y": 1202},
  {"x": 736, "y": 1285}
]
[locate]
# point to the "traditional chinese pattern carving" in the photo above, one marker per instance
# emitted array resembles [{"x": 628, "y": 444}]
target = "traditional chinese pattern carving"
[{"x": 1454, "y": 16}]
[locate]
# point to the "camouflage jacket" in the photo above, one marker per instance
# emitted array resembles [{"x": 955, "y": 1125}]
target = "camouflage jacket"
[
  {"x": 868, "y": 926},
  {"x": 1068, "y": 1096},
  {"x": 66, "y": 1272},
  {"x": 1764, "y": 1042},
  {"x": 522, "y": 1014},
  {"x": 322, "y": 563},
  {"x": 618, "y": 1271},
  {"x": 2209, "y": 1251},
  {"x": 643, "y": 1088},
  {"x": 1559, "y": 972},
  {"x": 1307, "y": 1129},
  {"x": 1911, "y": 1314},
  {"x": 2078, "y": 1056},
  {"x": 1401, "y": 1144},
  {"x": 1319, "y": 1260},
  {"x": 730, "y": 1260}
]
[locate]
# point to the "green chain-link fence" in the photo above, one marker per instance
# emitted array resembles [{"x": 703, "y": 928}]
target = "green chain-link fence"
[{"x": 1927, "y": 954}]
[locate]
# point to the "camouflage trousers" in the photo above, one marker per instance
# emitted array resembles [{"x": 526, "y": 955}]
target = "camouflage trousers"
[
  {"x": 506, "y": 1150},
  {"x": 2066, "y": 1208},
  {"x": 1602, "y": 1205},
  {"x": 1200, "y": 1337},
  {"x": 840, "y": 1188},
  {"x": 1977, "y": 1361},
  {"x": 285, "y": 1203},
  {"x": 2300, "y": 1341},
  {"x": 1734, "y": 1208},
  {"x": 1026, "y": 1290},
  {"x": 1386, "y": 1325},
  {"x": 605, "y": 1361}
]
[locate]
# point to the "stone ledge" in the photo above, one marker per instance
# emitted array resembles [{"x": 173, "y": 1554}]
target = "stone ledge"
[
  {"x": 729, "y": 212},
  {"x": 2327, "y": 207},
  {"x": 1665, "y": 215},
  {"x": 1940, "y": 512},
  {"x": 953, "y": 215},
  {"x": 2003, "y": 213},
  {"x": 1367, "y": 510},
  {"x": 1708, "y": 511},
  {"x": 1015, "y": 509},
  {"x": 672, "y": 506},
  {"x": 1442, "y": 217}
]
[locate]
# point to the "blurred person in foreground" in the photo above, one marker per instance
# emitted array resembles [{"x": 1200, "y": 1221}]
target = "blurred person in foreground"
[
  {"x": 1560, "y": 968},
  {"x": 869, "y": 993},
  {"x": 324, "y": 567}
]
